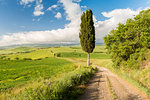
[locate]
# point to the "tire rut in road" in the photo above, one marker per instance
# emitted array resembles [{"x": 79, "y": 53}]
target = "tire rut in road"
[{"x": 97, "y": 88}]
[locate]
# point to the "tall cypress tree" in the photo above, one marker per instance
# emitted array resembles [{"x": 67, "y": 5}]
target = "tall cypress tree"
[{"x": 87, "y": 33}]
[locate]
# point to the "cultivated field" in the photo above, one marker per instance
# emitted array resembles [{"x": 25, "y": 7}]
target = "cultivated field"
[
  {"x": 57, "y": 72},
  {"x": 22, "y": 67}
]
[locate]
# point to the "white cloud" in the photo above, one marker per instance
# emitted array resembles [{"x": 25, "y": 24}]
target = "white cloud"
[
  {"x": 25, "y": 2},
  {"x": 33, "y": 20},
  {"x": 84, "y": 7},
  {"x": 38, "y": 19},
  {"x": 58, "y": 15},
  {"x": 77, "y": 0},
  {"x": 53, "y": 6},
  {"x": 67, "y": 35},
  {"x": 73, "y": 12},
  {"x": 38, "y": 8},
  {"x": 33, "y": 37},
  {"x": 70, "y": 33},
  {"x": 115, "y": 16}
]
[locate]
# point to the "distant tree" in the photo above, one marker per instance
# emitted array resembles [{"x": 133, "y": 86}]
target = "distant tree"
[
  {"x": 8, "y": 58},
  {"x": 17, "y": 58},
  {"x": 27, "y": 59},
  {"x": 87, "y": 33}
]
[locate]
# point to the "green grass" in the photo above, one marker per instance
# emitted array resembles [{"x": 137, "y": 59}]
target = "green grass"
[
  {"x": 40, "y": 53},
  {"x": 84, "y": 55},
  {"x": 112, "y": 91},
  {"x": 34, "y": 75},
  {"x": 66, "y": 51},
  {"x": 19, "y": 75},
  {"x": 65, "y": 87},
  {"x": 18, "y": 72},
  {"x": 15, "y": 50}
]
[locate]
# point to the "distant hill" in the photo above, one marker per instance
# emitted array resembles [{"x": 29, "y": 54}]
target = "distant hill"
[{"x": 40, "y": 45}]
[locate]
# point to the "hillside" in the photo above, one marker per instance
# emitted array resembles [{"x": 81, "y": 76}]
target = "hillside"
[{"x": 22, "y": 67}]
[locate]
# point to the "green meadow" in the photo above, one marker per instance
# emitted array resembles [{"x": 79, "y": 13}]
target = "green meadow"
[
  {"x": 15, "y": 50},
  {"x": 39, "y": 62},
  {"x": 18, "y": 72},
  {"x": 24, "y": 68},
  {"x": 66, "y": 51}
]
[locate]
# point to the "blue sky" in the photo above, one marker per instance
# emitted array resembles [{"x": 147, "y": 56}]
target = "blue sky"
[{"x": 20, "y": 19}]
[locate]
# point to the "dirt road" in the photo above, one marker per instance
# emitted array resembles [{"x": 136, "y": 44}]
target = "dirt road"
[{"x": 107, "y": 86}]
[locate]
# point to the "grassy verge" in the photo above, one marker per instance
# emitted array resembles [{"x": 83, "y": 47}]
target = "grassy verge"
[
  {"x": 114, "y": 95},
  {"x": 67, "y": 87}
]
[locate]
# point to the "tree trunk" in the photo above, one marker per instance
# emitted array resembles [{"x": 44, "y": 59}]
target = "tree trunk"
[{"x": 88, "y": 60}]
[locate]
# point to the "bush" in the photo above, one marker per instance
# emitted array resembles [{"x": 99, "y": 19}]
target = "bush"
[
  {"x": 27, "y": 59},
  {"x": 39, "y": 59},
  {"x": 17, "y": 58},
  {"x": 8, "y": 58},
  {"x": 58, "y": 54}
]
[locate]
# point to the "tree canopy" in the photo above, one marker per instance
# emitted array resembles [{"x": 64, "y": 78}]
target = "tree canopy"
[
  {"x": 128, "y": 42},
  {"x": 87, "y": 32}
]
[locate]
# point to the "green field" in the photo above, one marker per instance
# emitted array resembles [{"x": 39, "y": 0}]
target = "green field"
[
  {"x": 37, "y": 66},
  {"x": 66, "y": 51},
  {"x": 40, "y": 62},
  {"x": 22, "y": 67},
  {"x": 17, "y": 72},
  {"x": 16, "y": 50},
  {"x": 84, "y": 55}
]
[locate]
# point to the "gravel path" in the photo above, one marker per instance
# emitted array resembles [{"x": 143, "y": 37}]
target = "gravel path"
[{"x": 104, "y": 82}]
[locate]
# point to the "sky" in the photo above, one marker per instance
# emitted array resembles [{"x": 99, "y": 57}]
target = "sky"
[{"x": 58, "y": 21}]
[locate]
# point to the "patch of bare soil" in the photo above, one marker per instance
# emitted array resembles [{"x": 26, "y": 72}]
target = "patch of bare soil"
[{"x": 99, "y": 88}]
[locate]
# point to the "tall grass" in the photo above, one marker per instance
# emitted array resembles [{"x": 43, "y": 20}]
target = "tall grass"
[{"x": 64, "y": 88}]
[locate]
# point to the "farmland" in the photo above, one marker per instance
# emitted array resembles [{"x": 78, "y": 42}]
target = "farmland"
[
  {"x": 36, "y": 68},
  {"x": 73, "y": 52},
  {"x": 17, "y": 72},
  {"x": 22, "y": 67}
]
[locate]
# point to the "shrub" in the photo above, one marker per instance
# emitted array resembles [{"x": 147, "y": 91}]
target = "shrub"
[
  {"x": 39, "y": 59},
  {"x": 8, "y": 58},
  {"x": 27, "y": 59},
  {"x": 58, "y": 54},
  {"x": 17, "y": 58}
]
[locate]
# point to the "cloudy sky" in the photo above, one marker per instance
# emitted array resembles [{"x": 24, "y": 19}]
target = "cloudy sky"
[{"x": 58, "y": 21}]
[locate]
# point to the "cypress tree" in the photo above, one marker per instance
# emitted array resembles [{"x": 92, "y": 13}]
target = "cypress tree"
[{"x": 87, "y": 33}]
